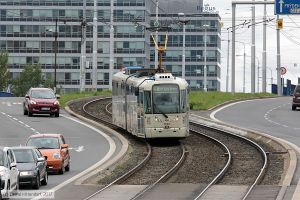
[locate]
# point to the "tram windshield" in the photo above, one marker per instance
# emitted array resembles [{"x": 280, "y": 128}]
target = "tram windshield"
[{"x": 165, "y": 99}]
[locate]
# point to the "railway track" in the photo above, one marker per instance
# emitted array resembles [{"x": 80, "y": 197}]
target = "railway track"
[{"x": 217, "y": 137}]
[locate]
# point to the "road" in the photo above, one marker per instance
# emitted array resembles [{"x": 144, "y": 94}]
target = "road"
[
  {"x": 271, "y": 116},
  {"x": 87, "y": 146}
]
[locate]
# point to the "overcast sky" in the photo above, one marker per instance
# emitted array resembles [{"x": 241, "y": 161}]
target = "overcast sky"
[{"x": 290, "y": 43}]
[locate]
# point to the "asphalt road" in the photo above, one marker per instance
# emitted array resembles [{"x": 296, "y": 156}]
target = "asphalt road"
[
  {"x": 271, "y": 116},
  {"x": 87, "y": 146}
]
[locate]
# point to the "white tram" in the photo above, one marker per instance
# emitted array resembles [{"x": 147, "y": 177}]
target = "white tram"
[{"x": 149, "y": 104}]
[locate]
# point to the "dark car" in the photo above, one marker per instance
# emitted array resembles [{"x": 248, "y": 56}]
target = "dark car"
[
  {"x": 296, "y": 98},
  {"x": 32, "y": 166},
  {"x": 41, "y": 101}
]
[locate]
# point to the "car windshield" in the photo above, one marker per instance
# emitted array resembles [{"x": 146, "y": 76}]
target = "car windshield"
[
  {"x": 24, "y": 155},
  {"x": 1, "y": 158},
  {"x": 42, "y": 94},
  {"x": 44, "y": 143}
]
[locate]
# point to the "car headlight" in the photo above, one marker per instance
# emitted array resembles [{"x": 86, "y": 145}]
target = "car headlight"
[
  {"x": 26, "y": 173},
  {"x": 56, "y": 103},
  {"x": 56, "y": 156},
  {"x": 32, "y": 102}
]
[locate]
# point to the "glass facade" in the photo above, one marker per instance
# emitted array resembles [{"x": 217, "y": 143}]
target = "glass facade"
[
  {"x": 27, "y": 32},
  {"x": 194, "y": 48}
]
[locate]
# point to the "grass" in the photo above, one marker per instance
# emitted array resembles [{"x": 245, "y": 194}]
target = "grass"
[
  {"x": 77, "y": 95},
  {"x": 198, "y": 100},
  {"x": 206, "y": 100}
]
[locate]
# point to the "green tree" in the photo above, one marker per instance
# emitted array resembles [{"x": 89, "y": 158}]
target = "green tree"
[
  {"x": 31, "y": 76},
  {"x": 3, "y": 70}
]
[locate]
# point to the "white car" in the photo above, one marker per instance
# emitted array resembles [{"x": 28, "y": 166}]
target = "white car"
[{"x": 8, "y": 172}]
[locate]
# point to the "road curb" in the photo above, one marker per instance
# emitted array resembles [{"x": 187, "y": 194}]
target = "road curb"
[
  {"x": 109, "y": 163},
  {"x": 263, "y": 137}
]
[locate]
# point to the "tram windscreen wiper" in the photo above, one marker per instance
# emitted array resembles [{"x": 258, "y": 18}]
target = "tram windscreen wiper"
[{"x": 164, "y": 114}]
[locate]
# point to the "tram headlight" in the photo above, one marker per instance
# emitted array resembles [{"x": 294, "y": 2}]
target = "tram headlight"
[
  {"x": 176, "y": 119},
  {"x": 158, "y": 119}
]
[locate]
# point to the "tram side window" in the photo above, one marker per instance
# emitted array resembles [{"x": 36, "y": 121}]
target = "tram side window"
[
  {"x": 147, "y": 102},
  {"x": 141, "y": 98},
  {"x": 183, "y": 102}
]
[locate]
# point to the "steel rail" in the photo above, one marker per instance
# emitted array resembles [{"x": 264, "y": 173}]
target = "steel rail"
[
  {"x": 225, "y": 168},
  {"x": 126, "y": 175},
  {"x": 165, "y": 176},
  {"x": 254, "y": 144}
]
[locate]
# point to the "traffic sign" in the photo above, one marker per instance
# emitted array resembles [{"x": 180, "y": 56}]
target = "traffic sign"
[
  {"x": 287, "y": 7},
  {"x": 282, "y": 70}
]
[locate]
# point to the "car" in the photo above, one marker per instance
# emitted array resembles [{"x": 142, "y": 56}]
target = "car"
[
  {"x": 32, "y": 166},
  {"x": 8, "y": 172},
  {"x": 296, "y": 98},
  {"x": 41, "y": 101},
  {"x": 54, "y": 148}
]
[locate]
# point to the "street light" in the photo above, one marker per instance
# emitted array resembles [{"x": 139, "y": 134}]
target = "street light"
[
  {"x": 55, "y": 50},
  {"x": 205, "y": 67},
  {"x": 244, "y": 67},
  {"x": 271, "y": 75},
  {"x": 183, "y": 22}
]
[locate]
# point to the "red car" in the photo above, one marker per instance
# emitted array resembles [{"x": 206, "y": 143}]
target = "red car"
[
  {"x": 296, "y": 98},
  {"x": 54, "y": 148},
  {"x": 41, "y": 101}
]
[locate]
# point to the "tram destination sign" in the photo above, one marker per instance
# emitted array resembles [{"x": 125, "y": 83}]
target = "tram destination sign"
[{"x": 287, "y": 7}]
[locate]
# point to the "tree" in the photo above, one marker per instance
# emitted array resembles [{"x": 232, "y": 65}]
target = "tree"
[
  {"x": 31, "y": 76},
  {"x": 3, "y": 70}
]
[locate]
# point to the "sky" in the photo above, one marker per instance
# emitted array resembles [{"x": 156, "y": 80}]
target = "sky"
[{"x": 289, "y": 38}]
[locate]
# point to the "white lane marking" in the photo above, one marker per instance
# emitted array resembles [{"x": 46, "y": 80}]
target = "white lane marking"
[
  {"x": 112, "y": 149},
  {"x": 8, "y": 104},
  {"x": 22, "y": 123},
  {"x": 80, "y": 149},
  {"x": 266, "y": 116}
]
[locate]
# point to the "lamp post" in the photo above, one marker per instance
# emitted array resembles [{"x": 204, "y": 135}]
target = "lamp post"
[
  {"x": 55, "y": 53},
  {"x": 244, "y": 67},
  {"x": 205, "y": 54},
  {"x": 183, "y": 22},
  {"x": 271, "y": 74},
  {"x": 257, "y": 74},
  {"x": 55, "y": 50}
]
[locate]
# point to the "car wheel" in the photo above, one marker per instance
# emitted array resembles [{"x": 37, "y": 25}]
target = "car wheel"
[
  {"x": 29, "y": 114},
  {"x": 293, "y": 107},
  {"x": 45, "y": 180},
  {"x": 25, "y": 111},
  {"x": 57, "y": 114},
  {"x": 37, "y": 182},
  {"x": 62, "y": 169},
  {"x": 67, "y": 168},
  {"x": 8, "y": 189}
]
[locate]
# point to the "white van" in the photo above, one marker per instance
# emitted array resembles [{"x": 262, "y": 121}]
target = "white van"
[{"x": 8, "y": 172}]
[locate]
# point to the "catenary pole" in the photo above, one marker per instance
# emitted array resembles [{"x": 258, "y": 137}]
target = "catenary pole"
[
  {"x": 83, "y": 49},
  {"x": 95, "y": 46},
  {"x": 264, "y": 54}
]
